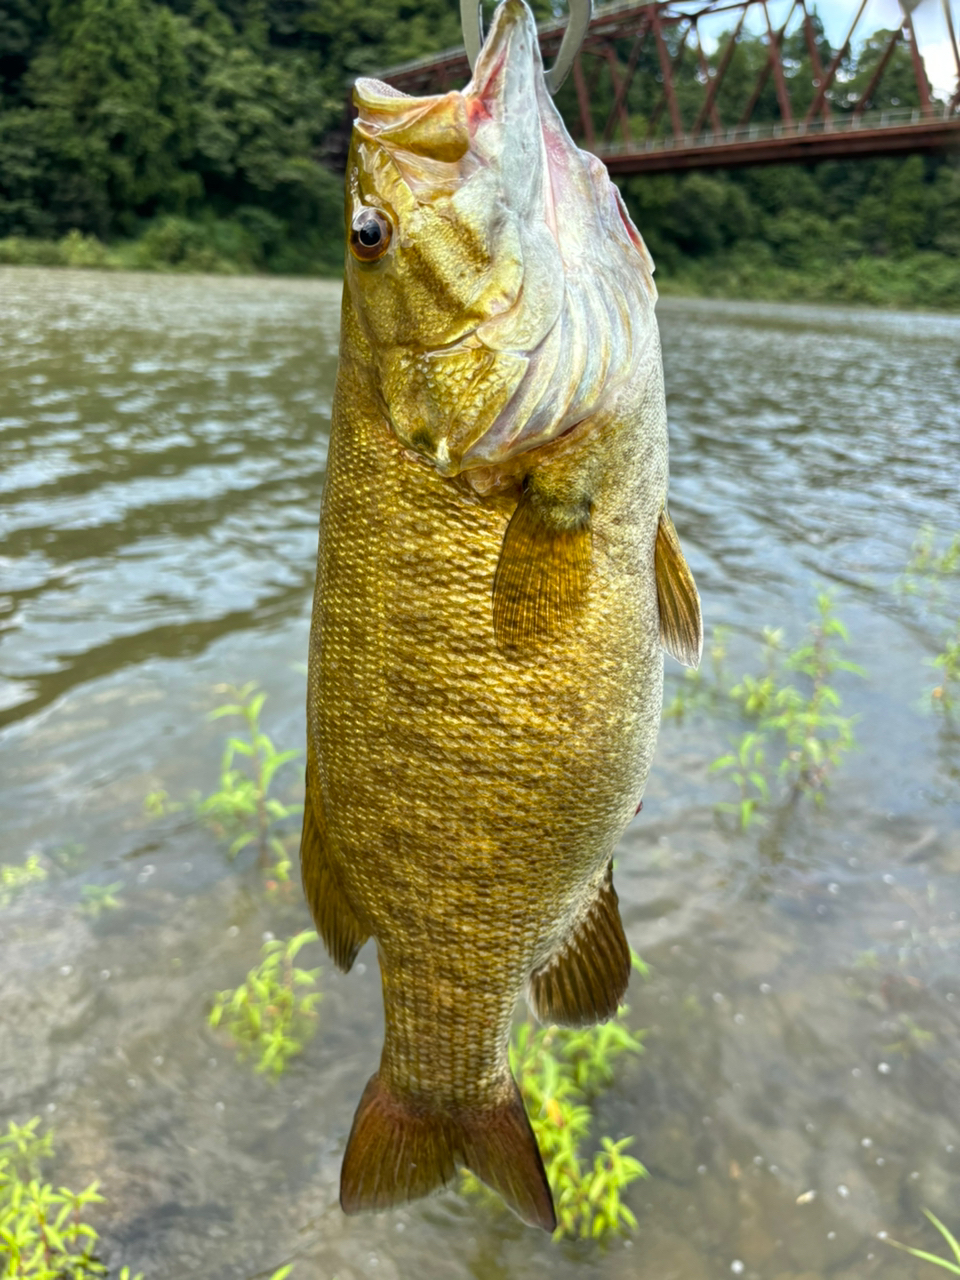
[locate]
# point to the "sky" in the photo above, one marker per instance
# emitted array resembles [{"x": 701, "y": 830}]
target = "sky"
[{"x": 928, "y": 20}]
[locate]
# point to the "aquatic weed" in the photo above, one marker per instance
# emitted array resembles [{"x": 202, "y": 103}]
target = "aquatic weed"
[
  {"x": 242, "y": 809},
  {"x": 244, "y": 799},
  {"x": 816, "y": 735},
  {"x": 802, "y": 720},
  {"x": 269, "y": 1012},
  {"x": 698, "y": 691},
  {"x": 944, "y": 1263},
  {"x": 43, "y": 1231},
  {"x": 947, "y": 692},
  {"x": 928, "y": 564},
  {"x": 745, "y": 765},
  {"x": 97, "y": 898},
  {"x": 929, "y": 574},
  {"x": 14, "y": 878}
]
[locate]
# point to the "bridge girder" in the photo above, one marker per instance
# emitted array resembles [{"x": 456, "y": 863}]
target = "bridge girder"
[{"x": 647, "y": 95}]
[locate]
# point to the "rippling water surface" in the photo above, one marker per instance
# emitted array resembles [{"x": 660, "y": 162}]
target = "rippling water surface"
[{"x": 162, "y": 446}]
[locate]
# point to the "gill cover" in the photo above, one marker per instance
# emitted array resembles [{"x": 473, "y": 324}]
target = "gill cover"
[{"x": 516, "y": 297}]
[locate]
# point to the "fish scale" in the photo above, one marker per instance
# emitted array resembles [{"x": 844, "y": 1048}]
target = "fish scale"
[{"x": 484, "y": 693}]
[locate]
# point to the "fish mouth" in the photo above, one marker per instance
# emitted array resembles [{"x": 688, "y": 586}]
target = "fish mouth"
[
  {"x": 576, "y": 323},
  {"x": 508, "y": 90}
]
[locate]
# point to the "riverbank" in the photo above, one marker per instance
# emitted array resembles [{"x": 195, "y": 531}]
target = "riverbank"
[
  {"x": 221, "y": 246},
  {"x": 915, "y": 281}
]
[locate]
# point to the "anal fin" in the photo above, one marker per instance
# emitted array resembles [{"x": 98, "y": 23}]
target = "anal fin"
[
  {"x": 336, "y": 922},
  {"x": 681, "y": 625},
  {"x": 400, "y": 1150},
  {"x": 586, "y": 978},
  {"x": 541, "y": 579}
]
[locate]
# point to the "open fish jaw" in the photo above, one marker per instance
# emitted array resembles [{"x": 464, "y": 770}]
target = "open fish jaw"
[{"x": 556, "y": 318}]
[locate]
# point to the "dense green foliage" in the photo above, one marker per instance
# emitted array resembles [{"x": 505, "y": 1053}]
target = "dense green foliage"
[
  {"x": 199, "y": 133},
  {"x": 44, "y": 1234},
  {"x": 876, "y": 231},
  {"x": 114, "y": 113},
  {"x": 268, "y": 1013}
]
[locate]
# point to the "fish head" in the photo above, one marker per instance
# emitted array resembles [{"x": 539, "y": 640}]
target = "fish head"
[{"x": 503, "y": 291}]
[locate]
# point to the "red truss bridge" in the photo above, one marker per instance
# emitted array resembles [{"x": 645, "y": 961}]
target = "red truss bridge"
[{"x": 668, "y": 86}]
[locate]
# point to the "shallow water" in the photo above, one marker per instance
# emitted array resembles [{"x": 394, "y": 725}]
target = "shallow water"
[{"x": 162, "y": 444}]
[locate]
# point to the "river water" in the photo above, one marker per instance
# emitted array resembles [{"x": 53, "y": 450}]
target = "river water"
[{"x": 162, "y": 443}]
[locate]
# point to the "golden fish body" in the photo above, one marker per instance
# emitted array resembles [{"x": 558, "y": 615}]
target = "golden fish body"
[{"x": 485, "y": 669}]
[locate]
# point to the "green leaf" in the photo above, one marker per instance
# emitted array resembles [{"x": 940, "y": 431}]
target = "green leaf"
[
  {"x": 943, "y": 1263},
  {"x": 950, "y": 1239},
  {"x": 228, "y": 709},
  {"x": 724, "y": 762}
]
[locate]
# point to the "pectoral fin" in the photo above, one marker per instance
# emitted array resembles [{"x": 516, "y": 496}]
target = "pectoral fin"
[
  {"x": 342, "y": 933},
  {"x": 541, "y": 579},
  {"x": 681, "y": 626}
]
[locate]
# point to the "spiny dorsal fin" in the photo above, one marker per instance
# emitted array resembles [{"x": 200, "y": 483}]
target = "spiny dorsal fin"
[
  {"x": 585, "y": 980},
  {"x": 336, "y": 923},
  {"x": 681, "y": 626},
  {"x": 400, "y": 1149},
  {"x": 541, "y": 579}
]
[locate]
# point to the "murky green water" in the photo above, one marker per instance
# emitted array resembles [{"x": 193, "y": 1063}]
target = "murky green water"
[{"x": 162, "y": 446}]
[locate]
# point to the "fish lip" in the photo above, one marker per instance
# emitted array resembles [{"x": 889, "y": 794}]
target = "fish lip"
[{"x": 509, "y": 62}]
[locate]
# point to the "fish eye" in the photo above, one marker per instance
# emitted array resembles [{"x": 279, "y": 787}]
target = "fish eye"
[{"x": 370, "y": 235}]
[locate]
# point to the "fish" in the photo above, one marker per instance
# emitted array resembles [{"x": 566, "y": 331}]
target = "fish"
[{"x": 497, "y": 579}]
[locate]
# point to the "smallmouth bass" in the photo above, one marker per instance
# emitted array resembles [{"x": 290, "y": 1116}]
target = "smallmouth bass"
[{"x": 495, "y": 578}]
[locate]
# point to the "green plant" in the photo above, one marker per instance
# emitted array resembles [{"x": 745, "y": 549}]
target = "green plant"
[
  {"x": 42, "y": 1230},
  {"x": 269, "y": 1013},
  {"x": 944, "y": 1263},
  {"x": 805, "y": 721},
  {"x": 67, "y": 856},
  {"x": 560, "y": 1071},
  {"x": 928, "y": 563},
  {"x": 243, "y": 809},
  {"x": 947, "y": 691},
  {"x": 696, "y": 689},
  {"x": 97, "y": 898},
  {"x": 817, "y": 736},
  {"x": 158, "y": 804},
  {"x": 15, "y": 878},
  {"x": 913, "y": 1039},
  {"x": 745, "y": 765},
  {"x": 926, "y": 574}
]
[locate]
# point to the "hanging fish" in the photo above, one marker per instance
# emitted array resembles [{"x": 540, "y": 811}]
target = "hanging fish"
[{"x": 497, "y": 573}]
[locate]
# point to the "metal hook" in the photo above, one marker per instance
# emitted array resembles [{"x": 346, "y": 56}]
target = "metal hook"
[{"x": 581, "y": 11}]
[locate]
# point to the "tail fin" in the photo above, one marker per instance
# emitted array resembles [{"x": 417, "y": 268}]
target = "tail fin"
[{"x": 399, "y": 1151}]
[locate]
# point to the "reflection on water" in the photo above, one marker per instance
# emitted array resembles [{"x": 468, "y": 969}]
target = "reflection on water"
[{"x": 162, "y": 445}]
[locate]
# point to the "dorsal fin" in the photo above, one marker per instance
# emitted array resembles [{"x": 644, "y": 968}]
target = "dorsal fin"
[{"x": 681, "y": 625}]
